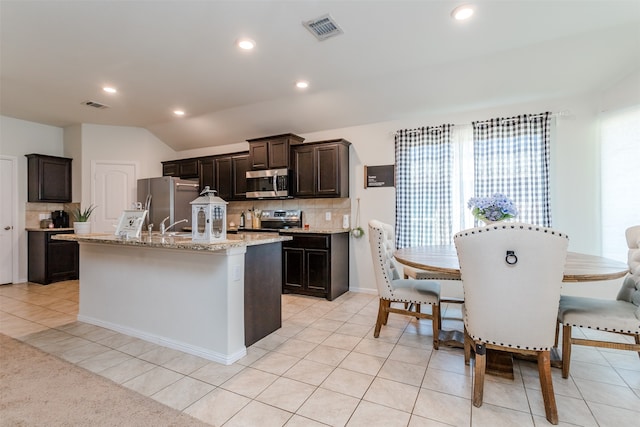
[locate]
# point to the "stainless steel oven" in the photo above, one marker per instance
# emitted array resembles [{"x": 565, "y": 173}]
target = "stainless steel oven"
[{"x": 268, "y": 184}]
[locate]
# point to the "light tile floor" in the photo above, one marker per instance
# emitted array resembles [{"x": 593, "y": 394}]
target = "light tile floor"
[{"x": 323, "y": 367}]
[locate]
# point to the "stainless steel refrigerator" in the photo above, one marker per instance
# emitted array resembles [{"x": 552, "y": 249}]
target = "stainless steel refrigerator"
[{"x": 167, "y": 196}]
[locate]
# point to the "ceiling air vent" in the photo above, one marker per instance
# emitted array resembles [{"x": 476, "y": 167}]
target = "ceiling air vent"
[
  {"x": 323, "y": 27},
  {"x": 95, "y": 104}
]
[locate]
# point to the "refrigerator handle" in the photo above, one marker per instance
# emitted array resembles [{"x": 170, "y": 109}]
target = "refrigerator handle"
[{"x": 179, "y": 184}]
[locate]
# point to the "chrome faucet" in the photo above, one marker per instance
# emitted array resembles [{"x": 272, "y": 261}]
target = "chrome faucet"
[{"x": 163, "y": 229}]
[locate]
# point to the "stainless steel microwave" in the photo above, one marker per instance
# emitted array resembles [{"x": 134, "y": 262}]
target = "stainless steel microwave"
[{"x": 268, "y": 184}]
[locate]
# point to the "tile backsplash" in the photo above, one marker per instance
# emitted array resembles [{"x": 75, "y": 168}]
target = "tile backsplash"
[
  {"x": 313, "y": 210},
  {"x": 34, "y": 211}
]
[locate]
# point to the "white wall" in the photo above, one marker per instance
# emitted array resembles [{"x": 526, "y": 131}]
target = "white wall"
[
  {"x": 73, "y": 149},
  {"x": 17, "y": 138},
  {"x": 121, "y": 143}
]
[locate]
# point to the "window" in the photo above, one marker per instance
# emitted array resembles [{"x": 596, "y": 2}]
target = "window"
[
  {"x": 439, "y": 168},
  {"x": 620, "y": 199},
  {"x": 423, "y": 186},
  {"x": 511, "y": 156}
]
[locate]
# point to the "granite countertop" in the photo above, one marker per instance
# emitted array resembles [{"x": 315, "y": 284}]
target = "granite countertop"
[
  {"x": 315, "y": 231},
  {"x": 49, "y": 229},
  {"x": 291, "y": 230},
  {"x": 181, "y": 242}
]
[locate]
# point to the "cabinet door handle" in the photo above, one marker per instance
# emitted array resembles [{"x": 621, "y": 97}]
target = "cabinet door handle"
[{"x": 8, "y": 227}]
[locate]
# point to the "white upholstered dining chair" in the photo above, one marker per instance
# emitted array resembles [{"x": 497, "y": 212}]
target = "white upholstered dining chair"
[
  {"x": 511, "y": 275},
  {"x": 620, "y": 316},
  {"x": 392, "y": 288},
  {"x": 419, "y": 274}
]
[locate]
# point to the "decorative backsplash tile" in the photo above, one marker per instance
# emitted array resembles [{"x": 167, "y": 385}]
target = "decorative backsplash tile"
[
  {"x": 313, "y": 210},
  {"x": 34, "y": 212}
]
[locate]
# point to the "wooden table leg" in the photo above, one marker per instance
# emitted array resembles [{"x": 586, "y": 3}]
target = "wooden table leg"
[
  {"x": 499, "y": 363},
  {"x": 451, "y": 338}
]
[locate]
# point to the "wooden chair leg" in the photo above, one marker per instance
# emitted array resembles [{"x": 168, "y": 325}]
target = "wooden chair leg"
[
  {"x": 478, "y": 380},
  {"x": 467, "y": 347},
  {"x": 548, "y": 396},
  {"x": 435, "y": 315},
  {"x": 566, "y": 350},
  {"x": 387, "y": 304},
  {"x": 638, "y": 342},
  {"x": 555, "y": 343},
  {"x": 381, "y": 318}
]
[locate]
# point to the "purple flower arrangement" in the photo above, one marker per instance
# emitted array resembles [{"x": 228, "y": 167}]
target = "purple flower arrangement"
[{"x": 495, "y": 208}]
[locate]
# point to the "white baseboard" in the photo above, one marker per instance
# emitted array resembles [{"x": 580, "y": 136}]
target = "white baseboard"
[
  {"x": 360, "y": 290},
  {"x": 165, "y": 342}
]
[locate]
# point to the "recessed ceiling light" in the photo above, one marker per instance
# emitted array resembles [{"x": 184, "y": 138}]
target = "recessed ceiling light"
[
  {"x": 178, "y": 112},
  {"x": 462, "y": 13},
  {"x": 302, "y": 84},
  {"x": 109, "y": 89},
  {"x": 246, "y": 44}
]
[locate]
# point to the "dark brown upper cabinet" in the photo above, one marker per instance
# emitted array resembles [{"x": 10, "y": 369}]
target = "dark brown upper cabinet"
[
  {"x": 226, "y": 174},
  {"x": 49, "y": 178},
  {"x": 321, "y": 169},
  {"x": 239, "y": 168},
  {"x": 184, "y": 168},
  {"x": 272, "y": 152},
  {"x": 206, "y": 174}
]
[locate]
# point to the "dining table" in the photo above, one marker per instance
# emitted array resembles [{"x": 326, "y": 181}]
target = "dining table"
[{"x": 578, "y": 267}]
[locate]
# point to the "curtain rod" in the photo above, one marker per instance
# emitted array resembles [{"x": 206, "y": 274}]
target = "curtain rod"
[
  {"x": 564, "y": 113},
  {"x": 531, "y": 116}
]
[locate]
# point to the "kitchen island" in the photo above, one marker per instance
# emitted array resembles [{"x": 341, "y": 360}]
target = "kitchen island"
[{"x": 199, "y": 298}]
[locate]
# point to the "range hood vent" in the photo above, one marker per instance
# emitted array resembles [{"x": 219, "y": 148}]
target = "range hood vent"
[
  {"x": 323, "y": 27},
  {"x": 95, "y": 104}
]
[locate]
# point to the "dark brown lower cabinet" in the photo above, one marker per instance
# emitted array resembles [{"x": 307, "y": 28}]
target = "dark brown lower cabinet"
[
  {"x": 262, "y": 291},
  {"x": 316, "y": 264},
  {"x": 51, "y": 260}
]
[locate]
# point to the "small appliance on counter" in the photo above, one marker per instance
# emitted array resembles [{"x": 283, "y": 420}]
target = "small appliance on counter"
[
  {"x": 280, "y": 219},
  {"x": 60, "y": 219},
  {"x": 46, "y": 223}
]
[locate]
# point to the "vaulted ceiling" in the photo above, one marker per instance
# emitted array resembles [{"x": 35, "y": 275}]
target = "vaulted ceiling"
[{"x": 395, "y": 59}]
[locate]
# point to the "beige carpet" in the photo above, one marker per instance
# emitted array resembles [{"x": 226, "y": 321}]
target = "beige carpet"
[{"x": 37, "y": 389}]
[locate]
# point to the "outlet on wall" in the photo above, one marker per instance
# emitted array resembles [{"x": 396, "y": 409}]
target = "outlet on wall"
[{"x": 327, "y": 216}]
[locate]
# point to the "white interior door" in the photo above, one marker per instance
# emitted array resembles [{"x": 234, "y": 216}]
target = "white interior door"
[
  {"x": 8, "y": 202},
  {"x": 114, "y": 190}
]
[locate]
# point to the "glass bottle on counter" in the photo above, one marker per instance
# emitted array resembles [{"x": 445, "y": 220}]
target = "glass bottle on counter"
[{"x": 242, "y": 220}]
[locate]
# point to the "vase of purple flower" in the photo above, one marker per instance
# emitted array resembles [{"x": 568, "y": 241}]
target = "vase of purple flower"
[{"x": 496, "y": 208}]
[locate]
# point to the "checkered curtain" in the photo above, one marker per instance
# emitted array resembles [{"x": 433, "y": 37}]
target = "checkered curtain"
[
  {"x": 511, "y": 156},
  {"x": 423, "y": 186}
]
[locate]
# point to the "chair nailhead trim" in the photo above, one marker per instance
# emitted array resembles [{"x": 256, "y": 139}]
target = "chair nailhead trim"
[
  {"x": 530, "y": 227},
  {"x": 510, "y": 345},
  {"x": 603, "y": 329}
]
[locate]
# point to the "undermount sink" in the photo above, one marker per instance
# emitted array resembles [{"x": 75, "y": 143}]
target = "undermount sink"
[{"x": 178, "y": 234}]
